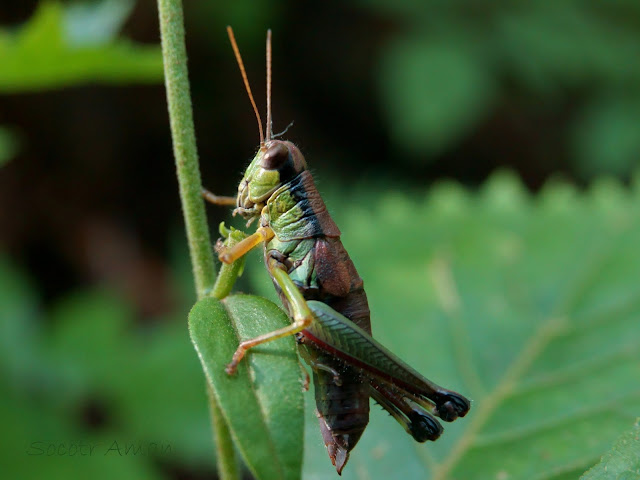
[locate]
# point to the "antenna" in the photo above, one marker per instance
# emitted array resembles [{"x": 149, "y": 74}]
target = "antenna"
[
  {"x": 236, "y": 51},
  {"x": 269, "y": 121}
]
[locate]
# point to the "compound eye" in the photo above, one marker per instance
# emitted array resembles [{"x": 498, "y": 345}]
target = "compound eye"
[{"x": 275, "y": 156}]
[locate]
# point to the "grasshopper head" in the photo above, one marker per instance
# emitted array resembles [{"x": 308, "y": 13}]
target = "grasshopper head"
[{"x": 276, "y": 163}]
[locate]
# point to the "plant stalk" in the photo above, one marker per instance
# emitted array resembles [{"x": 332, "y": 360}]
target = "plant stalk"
[{"x": 186, "y": 157}]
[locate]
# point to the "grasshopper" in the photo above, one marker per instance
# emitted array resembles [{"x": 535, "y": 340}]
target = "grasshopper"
[{"x": 324, "y": 296}]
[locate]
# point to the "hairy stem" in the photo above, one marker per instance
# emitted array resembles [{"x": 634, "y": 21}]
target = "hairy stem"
[
  {"x": 186, "y": 158},
  {"x": 184, "y": 143}
]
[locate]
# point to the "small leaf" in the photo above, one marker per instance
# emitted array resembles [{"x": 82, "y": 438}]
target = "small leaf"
[
  {"x": 96, "y": 23},
  {"x": 19, "y": 332},
  {"x": 606, "y": 136},
  {"x": 434, "y": 92},
  {"x": 622, "y": 462},
  {"x": 9, "y": 145},
  {"x": 262, "y": 403},
  {"x": 39, "y": 55}
]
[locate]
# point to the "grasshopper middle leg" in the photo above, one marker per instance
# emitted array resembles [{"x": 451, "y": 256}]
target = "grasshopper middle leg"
[{"x": 300, "y": 312}]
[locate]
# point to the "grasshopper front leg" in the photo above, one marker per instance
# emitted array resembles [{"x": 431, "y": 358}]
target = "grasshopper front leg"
[
  {"x": 302, "y": 316},
  {"x": 239, "y": 250},
  {"x": 230, "y": 251}
]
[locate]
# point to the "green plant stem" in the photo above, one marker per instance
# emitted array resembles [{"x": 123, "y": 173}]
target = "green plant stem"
[
  {"x": 184, "y": 143},
  {"x": 186, "y": 157},
  {"x": 225, "y": 453}
]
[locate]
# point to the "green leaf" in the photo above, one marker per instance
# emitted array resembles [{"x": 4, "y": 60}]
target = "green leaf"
[
  {"x": 94, "y": 22},
  {"x": 40, "y": 439},
  {"x": 95, "y": 315},
  {"x": 555, "y": 44},
  {"x": 39, "y": 55},
  {"x": 528, "y": 305},
  {"x": 149, "y": 410},
  {"x": 262, "y": 402},
  {"x": 38, "y": 442},
  {"x": 9, "y": 145},
  {"x": 88, "y": 326},
  {"x": 622, "y": 462},
  {"x": 19, "y": 334},
  {"x": 606, "y": 137},
  {"x": 434, "y": 91}
]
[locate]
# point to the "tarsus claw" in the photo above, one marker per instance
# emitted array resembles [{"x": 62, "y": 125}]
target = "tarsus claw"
[{"x": 451, "y": 406}]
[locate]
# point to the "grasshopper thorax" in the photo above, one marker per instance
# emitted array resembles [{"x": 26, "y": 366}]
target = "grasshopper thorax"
[{"x": 276, "y": 163}]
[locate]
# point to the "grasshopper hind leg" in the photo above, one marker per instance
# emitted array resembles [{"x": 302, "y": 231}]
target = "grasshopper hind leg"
[
  {"x": 423, "y": 427},
  {"x": 415, "y": 420},
  {"x": 450, "y": 405}
]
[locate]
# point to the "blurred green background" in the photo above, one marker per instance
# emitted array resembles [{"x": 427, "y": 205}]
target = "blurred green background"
[{"x": 391, "y": 100}]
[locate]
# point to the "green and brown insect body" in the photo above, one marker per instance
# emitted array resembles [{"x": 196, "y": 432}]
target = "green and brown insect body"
[
  {"x": 307, "y": 246},
  {"x": 324, "y": 296},
  {"x": 349, "y": 365}
]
